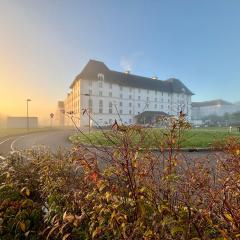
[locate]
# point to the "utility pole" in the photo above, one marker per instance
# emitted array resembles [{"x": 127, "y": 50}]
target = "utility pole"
[{"x": 28, "y": 100}]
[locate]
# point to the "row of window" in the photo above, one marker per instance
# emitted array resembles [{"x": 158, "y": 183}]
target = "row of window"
[
  {"x": 110, "y": 109},
  {"x": 139, "y": 97},
  {"x": 101, "y": 81}
]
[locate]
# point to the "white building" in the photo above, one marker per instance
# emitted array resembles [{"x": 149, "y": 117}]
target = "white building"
[
  {"x": 59, "y": 115},
  {"x": 110, "y": 95},
  {"x": 22, "y": 122},
  {"x": 214, "y": 107}
]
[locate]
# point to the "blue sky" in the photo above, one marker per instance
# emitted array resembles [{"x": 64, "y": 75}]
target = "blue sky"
[{"x": 44, "y": 44}]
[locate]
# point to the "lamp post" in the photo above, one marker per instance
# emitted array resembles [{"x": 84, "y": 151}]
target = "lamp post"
[
  {"x": 89, "y": 119},
  {"x": 28, "y": 100}
]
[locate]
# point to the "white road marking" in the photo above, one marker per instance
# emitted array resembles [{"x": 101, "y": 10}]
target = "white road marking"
[
  {"x": 1, "y": 157},
  {"x": 17, "y": 139},
  {"x": 5, "y": 140},
  {"x": 14, "y": 141}
]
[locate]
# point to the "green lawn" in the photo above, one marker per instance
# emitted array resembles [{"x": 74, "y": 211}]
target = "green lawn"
[
  {"x": 200, "y": 137},
  {"x": 8, "y": 132}
]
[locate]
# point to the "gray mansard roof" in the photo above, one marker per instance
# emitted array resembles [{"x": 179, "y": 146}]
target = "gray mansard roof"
[{"x": 93, "y": 68}]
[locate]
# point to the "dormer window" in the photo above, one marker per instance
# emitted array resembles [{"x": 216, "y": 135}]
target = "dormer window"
[{"x": 100, "y": 77}]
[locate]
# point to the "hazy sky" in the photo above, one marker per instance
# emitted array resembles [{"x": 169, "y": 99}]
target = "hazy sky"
[{"x": 44, "y": 44}]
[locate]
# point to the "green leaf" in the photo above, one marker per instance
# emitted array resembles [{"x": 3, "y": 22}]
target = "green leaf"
[{"x": 176, "y": 230}]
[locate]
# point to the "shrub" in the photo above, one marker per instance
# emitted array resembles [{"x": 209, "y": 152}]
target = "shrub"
[{"x": 125, "y": 192}]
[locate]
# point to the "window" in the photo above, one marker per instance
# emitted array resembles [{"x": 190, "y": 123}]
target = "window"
[
  {"x": 130, "y": 120},
  {"x": 130, "y": 96},
  {"x": 130, "y": 111},
  {"x": 100, "y": 77},
  {"x": 155, "y": 99},
  {"x": 162, "y": 93},
  {"x": 121, "y": 96},
  {"x": 147, "y": 105},
  {"x": 100, "y": 93},
  {"x": 90, "y": 105},
  {"x": 110, "y": 107},
  {"x": 139, "y": 90},
  {"x": 139, "y": 105},
  {"x": 139, "y": 98},
  {"x": 130, "y": 104},
  {"x": 155, "y": 106},
  {"x": 168, "y": 107},
  {"x": 168, "y": 100},
  {"x": 100, "y": 80},
  {"x": 120, "y": 111},
  {"x": 120, "y": 104},
  {"x": 162, "y": 106},
  {"x": 110, "y": 94},
  {"x": 100, "y": 106},
  {"x": 147, "y": 99}
]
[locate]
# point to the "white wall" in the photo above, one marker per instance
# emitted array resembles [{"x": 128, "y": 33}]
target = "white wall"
[{"x": 138, "y": 98}]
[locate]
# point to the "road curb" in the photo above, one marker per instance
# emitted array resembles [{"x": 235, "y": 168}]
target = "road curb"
[{"x": 198, "y": 149}]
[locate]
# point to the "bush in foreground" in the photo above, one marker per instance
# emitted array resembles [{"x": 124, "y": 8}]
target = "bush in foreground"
[{"x": 122, "y": 193}]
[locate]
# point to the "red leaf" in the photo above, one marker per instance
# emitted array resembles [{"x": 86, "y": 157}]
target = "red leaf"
[
  {"x": 94, "y": 176},
  {"x": 115, "y": 124}
]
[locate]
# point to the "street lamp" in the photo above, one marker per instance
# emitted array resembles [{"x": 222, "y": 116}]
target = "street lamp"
[
  {"x": 89, "y": 118},
  {"x": 28, "y": 100}
]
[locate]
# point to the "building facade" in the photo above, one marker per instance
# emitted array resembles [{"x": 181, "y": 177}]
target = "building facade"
[
  {"x": 217, "y": 107},
  {"x": 108, "y": 95},
  {"x": 59, "y": 115}
]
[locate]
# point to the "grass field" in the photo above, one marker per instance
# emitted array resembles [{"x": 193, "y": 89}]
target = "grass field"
[
  {"x": 8, "y": 132},
  {"x": 200, "y": 137}
]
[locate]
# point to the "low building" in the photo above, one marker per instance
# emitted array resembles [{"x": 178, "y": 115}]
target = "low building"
[
  {"x": 150, "y": 117},
  {"x": 59, "y": 116},
  {"x": 217, "y": 107},
  {"x": 106, "y": 95},
  {"x": 22, "y": 122}
]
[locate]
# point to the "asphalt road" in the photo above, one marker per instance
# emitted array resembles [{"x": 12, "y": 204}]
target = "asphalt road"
[
  {"x": 51, "y": 139},
  {"x": 56, "y": 139}
]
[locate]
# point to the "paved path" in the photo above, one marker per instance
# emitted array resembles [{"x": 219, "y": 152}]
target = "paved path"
[
  {"x": 51, "y": 139},
  {"x": 59, "y": 138}
]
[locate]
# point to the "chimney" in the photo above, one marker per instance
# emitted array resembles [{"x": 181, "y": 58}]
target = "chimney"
[
  {"x": 154, "y": 77},
  {"x": 127, "y": 72}
]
